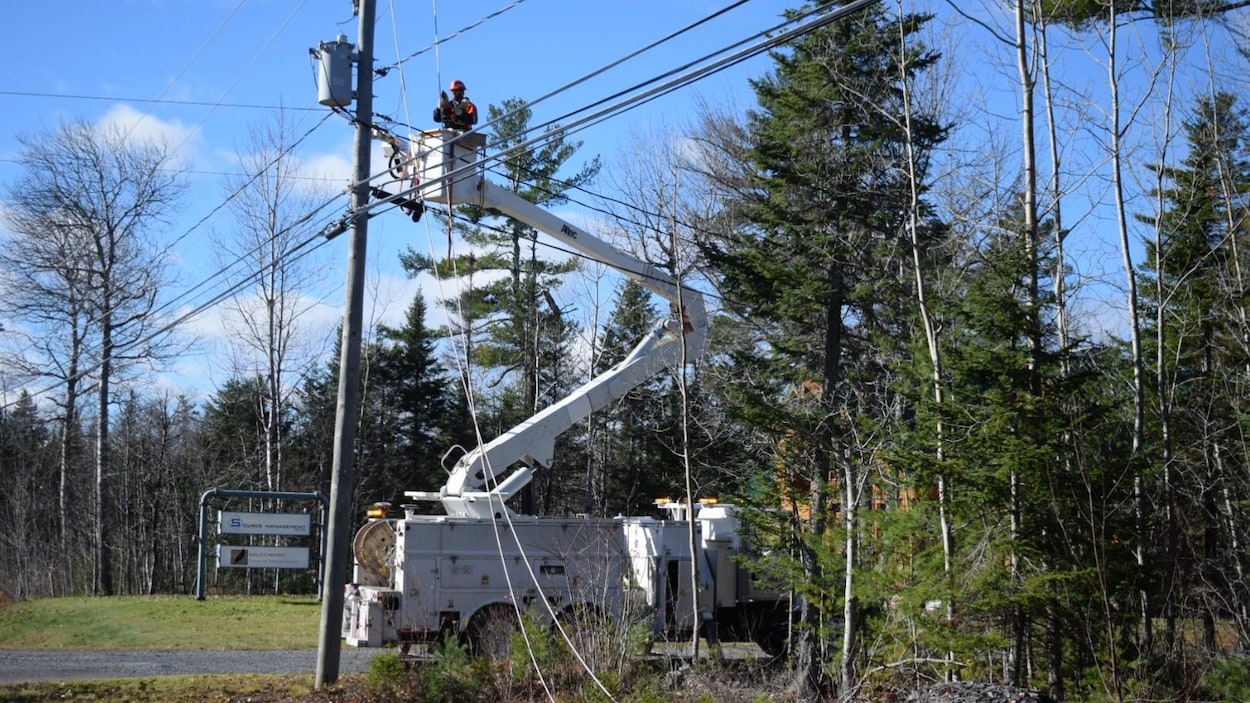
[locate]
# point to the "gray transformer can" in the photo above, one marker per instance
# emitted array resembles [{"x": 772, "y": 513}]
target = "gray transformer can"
[{"x": 334, "y": 77}]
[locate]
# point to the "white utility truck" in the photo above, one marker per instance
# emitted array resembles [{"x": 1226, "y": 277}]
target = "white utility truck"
[{"x": 472, "y": 571}]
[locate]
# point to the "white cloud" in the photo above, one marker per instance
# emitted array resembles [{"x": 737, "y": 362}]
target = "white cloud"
[
  {"x": 332, "y": 169},
  {"x": 183, "y": 142}
]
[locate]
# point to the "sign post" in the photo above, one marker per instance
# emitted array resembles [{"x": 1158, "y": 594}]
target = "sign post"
[{"x": 253, "y": 557}]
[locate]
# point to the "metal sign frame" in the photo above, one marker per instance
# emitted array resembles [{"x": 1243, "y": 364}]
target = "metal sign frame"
[{"x": 225, "y": 494}]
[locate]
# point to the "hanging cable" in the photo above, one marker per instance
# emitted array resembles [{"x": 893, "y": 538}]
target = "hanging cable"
[
  {"x": 127, "y": 347},
  {"x": 386, "y": 69},
  {"x": 403, "y": 80},
  {"x": 438, "y": 59},
  {"x": 491, "y": 479}
]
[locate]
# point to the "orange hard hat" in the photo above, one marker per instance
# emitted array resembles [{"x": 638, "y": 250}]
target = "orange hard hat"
[{"x": 457, "y": 84}]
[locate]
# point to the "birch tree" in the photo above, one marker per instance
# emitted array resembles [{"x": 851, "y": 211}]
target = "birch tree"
[
  {"x": 269, "y": 201},
  {"x": 105, "y": 192}
]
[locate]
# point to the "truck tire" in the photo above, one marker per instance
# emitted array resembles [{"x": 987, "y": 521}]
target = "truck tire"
[{"x": 490, "y": 630}]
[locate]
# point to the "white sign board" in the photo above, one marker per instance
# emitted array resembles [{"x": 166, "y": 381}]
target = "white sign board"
[
  {"x": 294, "y": 524},
  {"x": 230, "y": 556}
]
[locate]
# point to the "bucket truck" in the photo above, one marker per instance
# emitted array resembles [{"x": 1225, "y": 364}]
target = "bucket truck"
[{"x": 471, "y": 571}]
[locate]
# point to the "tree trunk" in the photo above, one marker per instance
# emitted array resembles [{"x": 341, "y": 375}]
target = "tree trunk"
[
  {"x": 1145, "y": 607},
  {"x": 104, "y": 559},
  {"x": 1029, "y": 206},
  {"x": 832, "y": 377},
  {"x": 70, "y": 432},
  {"x": 932, "y": 343}
]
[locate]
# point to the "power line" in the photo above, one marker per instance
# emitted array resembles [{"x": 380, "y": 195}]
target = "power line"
[
  {"x": 239, "y": 189},
  {"x": 632, "y": 101},
  {"x": 249, "y": 66},
  {"x": 629, "y": 103},
  {"x": 612, "y": 110},
  {"x": 152, "y": 101},
  {"x": 773, "y": 37},
  {"x": 121, "y": 349},
  {"x": 383, "y": 71}
]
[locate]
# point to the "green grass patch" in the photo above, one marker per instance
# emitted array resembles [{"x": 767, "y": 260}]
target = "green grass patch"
[
  {"x": 162, "y": 622},
  {"x": 168, "y": 689}
]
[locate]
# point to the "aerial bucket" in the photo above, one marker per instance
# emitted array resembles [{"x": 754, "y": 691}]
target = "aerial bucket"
[{"x": 449, "y": 165}]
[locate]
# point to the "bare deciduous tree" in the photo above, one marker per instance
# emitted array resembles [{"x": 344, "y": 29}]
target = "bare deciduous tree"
[
  {"x": 269, "y": 203},
  {"x": 88, "y": 197}
]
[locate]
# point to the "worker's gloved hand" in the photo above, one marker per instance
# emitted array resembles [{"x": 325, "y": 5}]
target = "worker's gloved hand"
[{"x": 443, "y": 102}]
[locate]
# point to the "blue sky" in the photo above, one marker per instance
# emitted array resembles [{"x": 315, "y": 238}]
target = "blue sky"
[{"x": 201, "y": 73}]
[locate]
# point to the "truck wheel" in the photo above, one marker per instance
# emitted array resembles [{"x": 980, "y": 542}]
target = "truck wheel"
[{"x": 490, "y": 631}]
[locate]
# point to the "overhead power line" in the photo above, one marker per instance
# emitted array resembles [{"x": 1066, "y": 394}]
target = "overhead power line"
[
  {"x": 640, "y": 94},
  {"x": 154, "y": 101},
  {"x": 786, "y": 31},
  {"x": 438, "y": 42}
]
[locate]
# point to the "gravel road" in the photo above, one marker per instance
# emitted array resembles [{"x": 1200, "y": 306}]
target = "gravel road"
[{"x": 17, "y": 666}]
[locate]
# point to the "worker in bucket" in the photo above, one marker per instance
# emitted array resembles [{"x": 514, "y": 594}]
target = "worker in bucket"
[{"x": 457, "y": 113}]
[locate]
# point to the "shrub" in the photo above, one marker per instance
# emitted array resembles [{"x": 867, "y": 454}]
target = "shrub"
[
  {"x": 1228, "y": 680},
  {"x": 387, "y": 676},
  {"x": 451, "y": 674},
  {"x": 545, "y": 646}
]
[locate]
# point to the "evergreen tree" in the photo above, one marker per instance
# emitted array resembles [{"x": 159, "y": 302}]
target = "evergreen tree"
[
  {"x": 233, "y": 434},
  {"x": 633, "y": 461},
  {"x": 822, "y": 206},
  {"x": 27, "y": 469},
  {"x": 505, "y": 318},
  {"x": 411, "y": 415},
  {"x": 516, "y": 338},
  {"x": 429, "y": 409},
  {"x": 380, "y": 468},
  {"x": 1197, "y": 268},
  {"x": 312, "y": 436},
  {"x": 1009, "y": 472}
]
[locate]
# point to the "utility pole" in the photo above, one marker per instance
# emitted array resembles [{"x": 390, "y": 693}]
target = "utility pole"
[{"x": 329, "y": 646}]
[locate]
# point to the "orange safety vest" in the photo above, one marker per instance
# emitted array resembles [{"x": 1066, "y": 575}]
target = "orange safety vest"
[{"x": 461, "y": 115}]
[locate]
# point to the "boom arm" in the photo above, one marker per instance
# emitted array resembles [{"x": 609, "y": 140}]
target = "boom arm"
[{"x": 474, "y": 488}]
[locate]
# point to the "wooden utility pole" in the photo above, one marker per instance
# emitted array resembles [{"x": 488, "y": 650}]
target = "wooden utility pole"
[{"x": 338, "y": 560}]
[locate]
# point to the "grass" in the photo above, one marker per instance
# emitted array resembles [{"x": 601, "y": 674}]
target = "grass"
[
  {"x": 266, "y": 622},
  {"x": 162, "y": 622}
]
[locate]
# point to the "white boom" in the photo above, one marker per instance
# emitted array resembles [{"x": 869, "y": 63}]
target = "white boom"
[
  {"x": 423, "y": 577},
  {"x": 449, "y": 170}
]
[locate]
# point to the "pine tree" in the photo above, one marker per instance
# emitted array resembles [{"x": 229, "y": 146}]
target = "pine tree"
[
  {"x": 822, "y": 208},
  {"x": 428, "y": 407},
  {"x": 633, "y": 459},
  {"x": 1196, "y": 269},
  {"x": 1013, "y": 431},
  {"x": 516, "y": 337},
  {"x": 27, "y": 469},
  {"x": 233, "y": 432}
]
